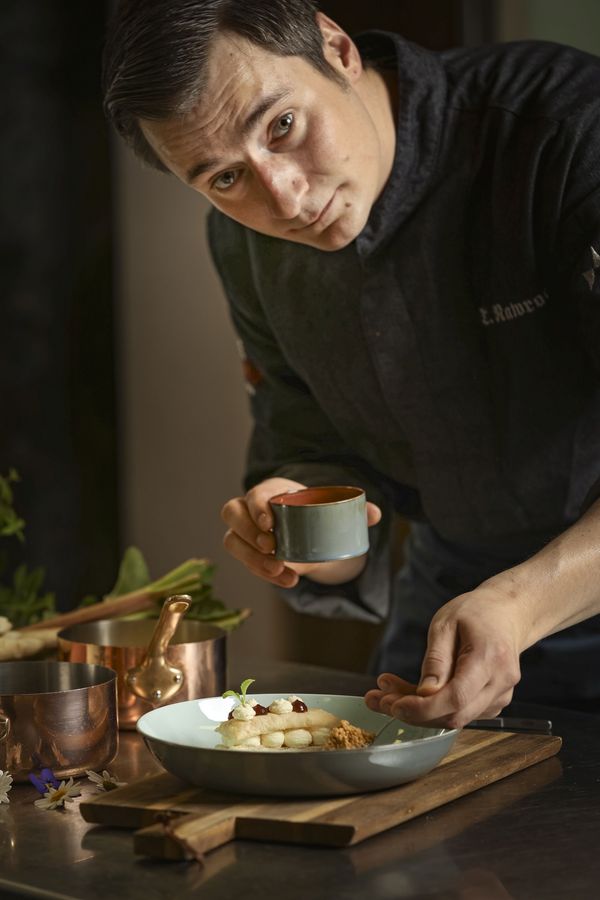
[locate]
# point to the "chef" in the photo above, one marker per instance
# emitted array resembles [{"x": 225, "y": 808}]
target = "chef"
[{"x": 409, "y": 242}]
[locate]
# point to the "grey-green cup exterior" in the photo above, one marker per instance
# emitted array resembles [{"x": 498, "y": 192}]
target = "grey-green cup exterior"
[{"x": 321, "y": 531}]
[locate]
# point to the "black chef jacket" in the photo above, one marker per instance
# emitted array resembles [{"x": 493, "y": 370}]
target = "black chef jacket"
[{"x": 448, "y": 359}]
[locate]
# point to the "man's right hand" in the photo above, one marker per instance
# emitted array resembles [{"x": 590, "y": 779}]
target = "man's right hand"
[
  {"x": 249, "y": 537},
  {"x": 250, "y": 540}
]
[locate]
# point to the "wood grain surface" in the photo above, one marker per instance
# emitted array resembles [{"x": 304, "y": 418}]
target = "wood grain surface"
[{"x": 179, "y": 821}]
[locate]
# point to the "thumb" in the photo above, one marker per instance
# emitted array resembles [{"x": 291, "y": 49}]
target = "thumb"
[
  {"x": 257, "y": 499},
  {"x": 438, "y": 662}
]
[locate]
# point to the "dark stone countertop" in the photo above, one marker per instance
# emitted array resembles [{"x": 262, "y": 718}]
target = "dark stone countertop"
[{"x": 532, "y": 836}]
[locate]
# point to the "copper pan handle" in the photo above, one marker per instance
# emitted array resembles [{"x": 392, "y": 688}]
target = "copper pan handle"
[
  {"x": 154, "y": 679},
  {"x": 172, "y": 611}
]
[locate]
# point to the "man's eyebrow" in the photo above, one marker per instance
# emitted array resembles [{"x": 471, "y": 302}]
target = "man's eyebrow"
[
  {"x": 262, "y": 107},
  {"x": 200, "y": 168},
  {"x": 255, "y": 115}
]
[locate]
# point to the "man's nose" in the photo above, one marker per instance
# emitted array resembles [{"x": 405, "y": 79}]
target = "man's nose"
[{"x": 284, "y": 185}]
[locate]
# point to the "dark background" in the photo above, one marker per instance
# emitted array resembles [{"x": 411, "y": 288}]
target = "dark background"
[
  {"x": 58, "y": 404},
  {"x": 433, "y": 23}
]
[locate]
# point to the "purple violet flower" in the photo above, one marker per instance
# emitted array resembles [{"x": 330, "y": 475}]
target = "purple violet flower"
[{"x": 46, "y": 780}]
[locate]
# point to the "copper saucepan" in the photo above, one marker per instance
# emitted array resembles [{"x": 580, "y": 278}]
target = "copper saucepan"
[
  {"x": 56, "y": 715},
  {"x": 196, "y": 649}
]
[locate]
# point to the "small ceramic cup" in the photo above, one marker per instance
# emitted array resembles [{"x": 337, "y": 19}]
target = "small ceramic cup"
[{"x": 320, "y": 524}]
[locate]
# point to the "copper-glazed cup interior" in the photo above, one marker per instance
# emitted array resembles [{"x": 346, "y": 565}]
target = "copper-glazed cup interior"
[{"x": 314, "y": 496}]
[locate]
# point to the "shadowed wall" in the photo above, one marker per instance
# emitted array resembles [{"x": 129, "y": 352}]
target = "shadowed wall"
[{"x": 57, "y": 420}]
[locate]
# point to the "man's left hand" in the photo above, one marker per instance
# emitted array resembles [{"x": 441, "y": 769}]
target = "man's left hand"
[{"x": 471, "y": 665}]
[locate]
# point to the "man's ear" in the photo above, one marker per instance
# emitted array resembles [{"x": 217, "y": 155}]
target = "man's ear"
[{"x": 339, "y": 49}]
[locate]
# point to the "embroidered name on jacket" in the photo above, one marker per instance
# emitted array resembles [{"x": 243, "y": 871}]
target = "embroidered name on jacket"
[{"x": 499, "y": 312}]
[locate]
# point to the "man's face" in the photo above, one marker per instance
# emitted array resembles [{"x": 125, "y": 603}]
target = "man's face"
[{"x": 278, "y": 146}]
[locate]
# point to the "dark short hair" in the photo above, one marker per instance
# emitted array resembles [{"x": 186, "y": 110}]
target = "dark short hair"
[{"x": 156, "y": 52}]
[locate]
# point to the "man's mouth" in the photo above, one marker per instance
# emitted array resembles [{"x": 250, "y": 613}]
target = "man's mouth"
[{"x": 319, "y": 217}]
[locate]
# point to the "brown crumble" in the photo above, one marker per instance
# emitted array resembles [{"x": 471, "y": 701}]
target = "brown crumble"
[{"x": 348, "y": 737}]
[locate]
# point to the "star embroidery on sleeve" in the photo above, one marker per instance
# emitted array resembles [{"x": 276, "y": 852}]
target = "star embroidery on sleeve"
[{"x": 590, "y": 275}]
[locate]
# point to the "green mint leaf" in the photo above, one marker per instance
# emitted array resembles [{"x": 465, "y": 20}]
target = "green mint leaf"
[
  {"x": 244, "y": 687},
  {"x": 231, "y": 694}
]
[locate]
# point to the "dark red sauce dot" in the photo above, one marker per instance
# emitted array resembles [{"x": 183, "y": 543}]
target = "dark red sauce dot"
[
  {"x": 299, "y": 706},
  {"x": 258, "y": 711}
]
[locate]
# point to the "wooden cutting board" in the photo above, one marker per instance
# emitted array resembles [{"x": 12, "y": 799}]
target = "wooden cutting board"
[{"x": 179, "y": 821}]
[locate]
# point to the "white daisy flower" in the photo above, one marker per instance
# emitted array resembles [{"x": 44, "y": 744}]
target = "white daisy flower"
[
  {"x": 55, "y": 797},
  {"x": 5, "y": 786},
  {"x": 104, "y": 782}
]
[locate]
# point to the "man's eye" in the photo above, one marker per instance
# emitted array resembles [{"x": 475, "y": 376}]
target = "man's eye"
[
  {"x": 283, "y": 125},
  {"x": 225, "y": 180}
]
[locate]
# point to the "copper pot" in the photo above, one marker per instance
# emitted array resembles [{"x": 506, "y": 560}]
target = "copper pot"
[
  {"x": 197, "y": 649},
  {"x": 58, "y": 716}
]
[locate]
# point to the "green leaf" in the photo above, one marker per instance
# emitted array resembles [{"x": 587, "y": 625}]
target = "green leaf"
[
  {"x": 133, "y": 573},
  {"x": 244, "y": 687},
  {"x": 11, "y": 525},
  {"x": 22, "y": 603},
  {"x": 231, "y": 694},
  {"x": 34, "y": 580},
  {"x": 20, "y": 579},
  {"x": 246, "y": 684},
  {"x": 228, "y": 622},
  {"x": 6, "y": 494},
  {"x": 193, "y": 572}
]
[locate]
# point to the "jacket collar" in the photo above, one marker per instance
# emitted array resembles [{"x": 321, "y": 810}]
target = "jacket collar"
[{"x": 421, "y": 101}]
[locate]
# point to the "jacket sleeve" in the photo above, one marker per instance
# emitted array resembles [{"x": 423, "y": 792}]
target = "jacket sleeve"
[{"x": 293, "y": 438}]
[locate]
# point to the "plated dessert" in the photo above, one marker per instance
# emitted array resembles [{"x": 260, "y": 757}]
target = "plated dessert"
[
  {"x": 184, "y": 740},
  {"x": 286, "y": 724}
]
